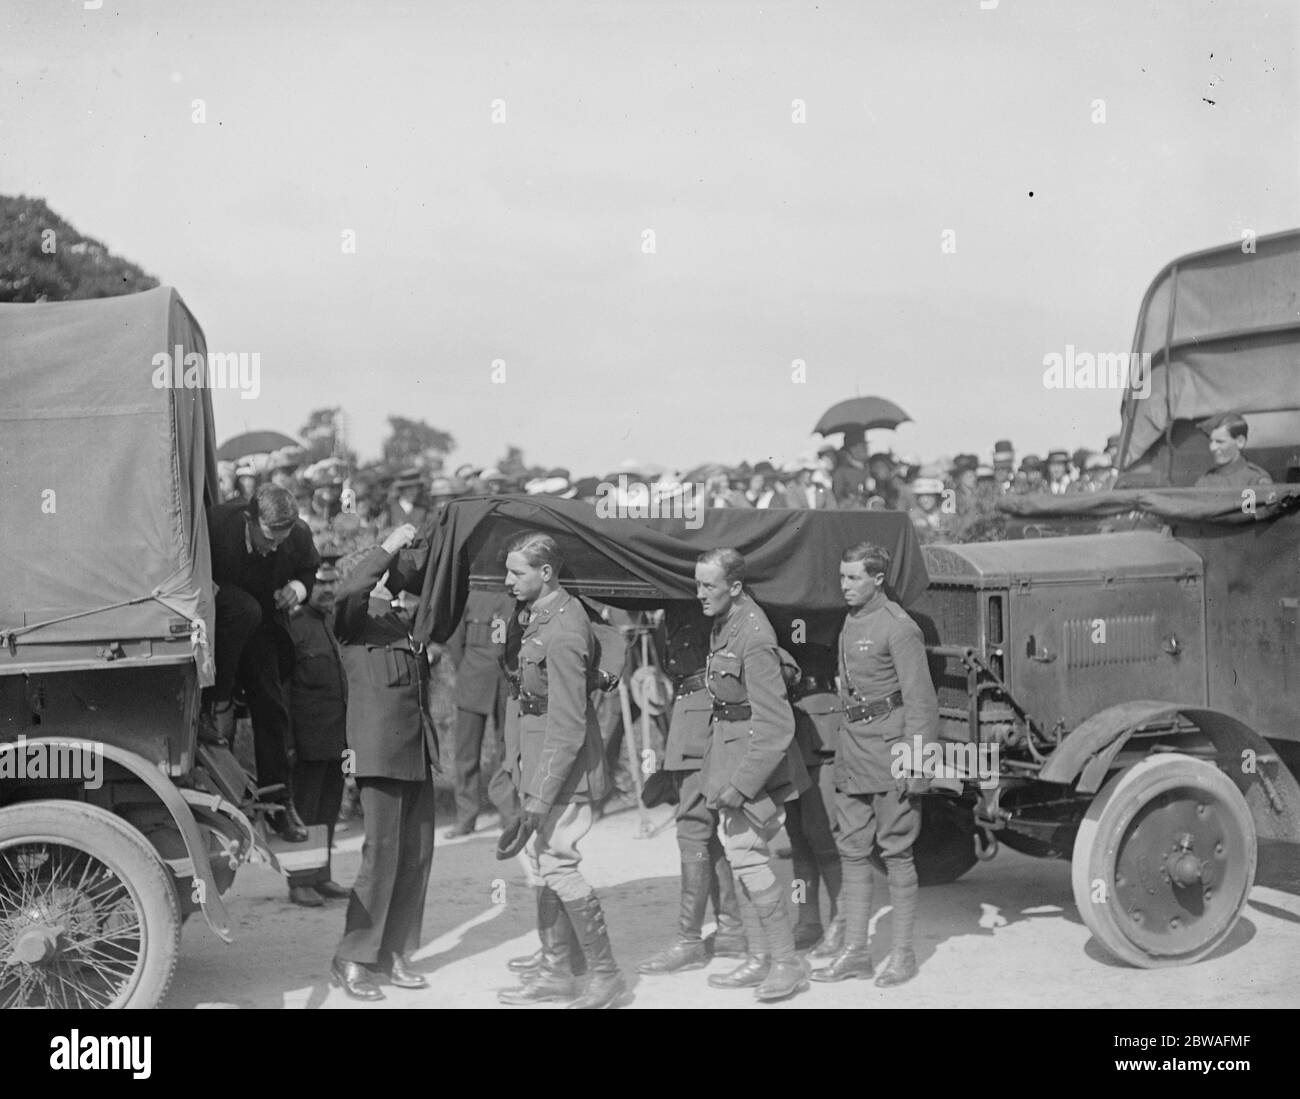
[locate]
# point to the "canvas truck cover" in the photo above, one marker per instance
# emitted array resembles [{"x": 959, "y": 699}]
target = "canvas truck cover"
[
  {"x": 1222, "y": 328},
  {"x": 103, "y": 478},
  {"x": 1229, "y": 506},
  {"x": 792, "y": 556}
]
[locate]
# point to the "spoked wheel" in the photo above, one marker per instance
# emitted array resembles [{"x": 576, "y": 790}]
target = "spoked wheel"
[
  {"x": 88, "y": 916},
  {"x": 1163, "y": 861}
]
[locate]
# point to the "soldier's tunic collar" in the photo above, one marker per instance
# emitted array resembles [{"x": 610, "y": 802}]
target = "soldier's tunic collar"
[
  {"x": 741, "y": 608},
  {"x": 873, "y": 604},
  {"x": 547, "y": 605}
]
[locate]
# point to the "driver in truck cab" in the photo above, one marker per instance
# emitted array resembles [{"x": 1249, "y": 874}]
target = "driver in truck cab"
[{"x": 1230, "y": 470}]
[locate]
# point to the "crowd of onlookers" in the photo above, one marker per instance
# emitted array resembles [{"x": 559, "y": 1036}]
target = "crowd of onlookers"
[{"x": 952, "y": 500}]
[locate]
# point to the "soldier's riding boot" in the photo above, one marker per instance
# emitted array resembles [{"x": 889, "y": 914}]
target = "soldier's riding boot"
[
  {"x": 789, "y": 972},
  {"x": 901, "y": 965},
  {"x": 553, "y": 978},
  {"x": 526, "y": 963},
  {"x": 832, "y": 875},
  {"x": 854, "y": 959},
  {"x": 605, "y": 984},
  {"x": 530, "y": 963},
  {"x": 688, "y": 951},
  {"x": 754, "y": 969},
  {"x": 729, "y": 939}
]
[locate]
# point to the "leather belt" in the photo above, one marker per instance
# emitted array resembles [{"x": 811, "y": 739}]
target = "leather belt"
[
  {"x": 688, "y": 684},
  {"x": 812, "y": 685},
  {"x": 731, "y": 711},
  {"x": 869, "y": 711},
  {"x": 532, "y": 704}
]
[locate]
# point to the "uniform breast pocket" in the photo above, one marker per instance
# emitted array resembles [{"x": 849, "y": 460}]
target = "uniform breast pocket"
[
  {"x": 314, "y": 670},
  {"x": 725, "y": 680},
  {"x": 389, "y": 667}
]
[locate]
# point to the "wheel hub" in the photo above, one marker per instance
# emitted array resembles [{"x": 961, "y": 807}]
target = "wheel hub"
[
  {"x": 35, "y": 945},
  {"x": 1170, "y": 864},
  {"x": 1182, "y": 867}
]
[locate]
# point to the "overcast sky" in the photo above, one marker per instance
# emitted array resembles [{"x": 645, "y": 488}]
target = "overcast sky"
[{"x": 774, "y": 240}]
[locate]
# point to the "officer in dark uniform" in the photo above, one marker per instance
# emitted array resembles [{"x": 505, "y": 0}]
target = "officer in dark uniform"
[
  {"x": 815, "y": 858},
  {"x": 556, "y": 753},
  {"x": 705, "y": 871},
  {"x": 889, "y": 701},
  {"x": 747, "y": 772},
  {"x": 394, "y": 749},
  {"x": 318, "y": 699},
  {"x": 481, "y": 693}
]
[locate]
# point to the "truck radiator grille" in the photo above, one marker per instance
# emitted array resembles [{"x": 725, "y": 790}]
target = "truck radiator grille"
[
  {"x": 955, "y": 612},
  {"x": 1119, "y": 639}
]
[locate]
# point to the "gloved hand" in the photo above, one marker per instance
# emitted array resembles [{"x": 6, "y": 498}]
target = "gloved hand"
[
  {"x": 534, "y": 813},
  {"x": 730, "y": 798}
]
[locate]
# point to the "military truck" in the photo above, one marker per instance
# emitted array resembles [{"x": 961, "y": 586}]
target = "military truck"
[
  {"x": 116, "y": 823},
  {"x": 1133, "y": 653}
]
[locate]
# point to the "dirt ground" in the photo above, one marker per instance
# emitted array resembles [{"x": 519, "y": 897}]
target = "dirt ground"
[{"x": 1006, "y": 934}]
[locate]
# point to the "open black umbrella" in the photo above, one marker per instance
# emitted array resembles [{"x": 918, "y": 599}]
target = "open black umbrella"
[
  {"x": 254, "y": 442},
  {"x": 867, "y": 413}
]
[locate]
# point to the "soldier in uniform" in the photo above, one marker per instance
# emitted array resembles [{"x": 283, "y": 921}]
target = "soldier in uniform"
[
  {"x": 1231, "y": 470},
  {"x": 705, "y": 870},
  {"x": 475, "y": 649},
  {"x": 394, "y": 748},
  {"x": 747, "y": 772},
  {"x": 889, "y": 700},
  {"x": 555, "y": 751}
]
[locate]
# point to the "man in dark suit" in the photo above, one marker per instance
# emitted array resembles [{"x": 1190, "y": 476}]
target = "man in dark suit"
[
  {"x": 318, "y": 698},
  {"x": 263, "y": 564},
  {"x": 475, "y": 649},
  {"x": 392, "y": 746}
]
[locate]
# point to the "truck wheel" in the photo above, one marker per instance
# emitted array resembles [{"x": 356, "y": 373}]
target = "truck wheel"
[
  {"x": 88, "y": 916},
  {"x": 945, "y": 849},
  {"x": 1163, "y": 861}
]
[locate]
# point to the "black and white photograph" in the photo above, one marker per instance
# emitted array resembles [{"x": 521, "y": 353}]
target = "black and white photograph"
[{"x": 615, "y": 504}]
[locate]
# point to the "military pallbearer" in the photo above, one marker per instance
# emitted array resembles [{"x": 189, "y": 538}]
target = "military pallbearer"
[{"x": 888, "y": 697}]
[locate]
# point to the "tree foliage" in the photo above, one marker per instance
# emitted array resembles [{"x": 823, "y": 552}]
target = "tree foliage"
[
  {"x": 513, "y": 466},
  {"x": 325, "y": 438},
  {"x": 43, "y": 258},
  {"x": 414, "y": 442}
]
